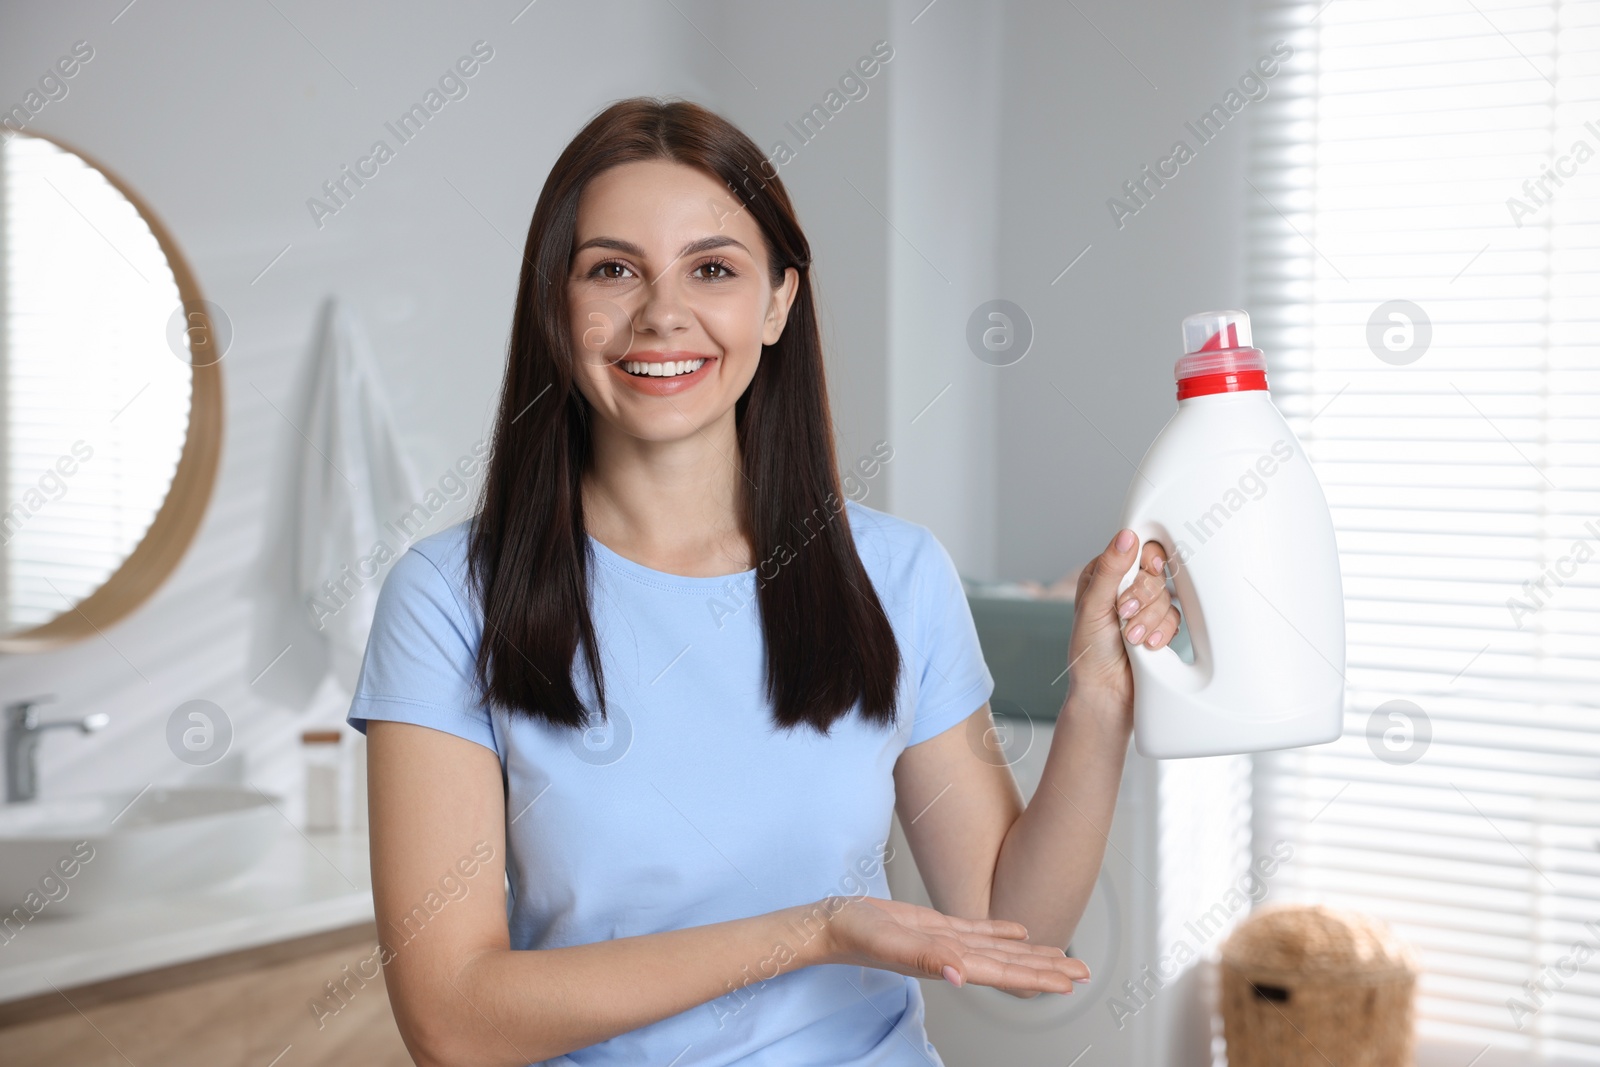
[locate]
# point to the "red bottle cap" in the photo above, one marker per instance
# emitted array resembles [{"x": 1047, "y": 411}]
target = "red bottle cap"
[{"x": 1218, "y": 355}]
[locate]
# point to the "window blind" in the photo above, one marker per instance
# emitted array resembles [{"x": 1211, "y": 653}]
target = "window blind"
[
  {"x": 1424, "y": 271},
  {"x": 96, "y": 403}
]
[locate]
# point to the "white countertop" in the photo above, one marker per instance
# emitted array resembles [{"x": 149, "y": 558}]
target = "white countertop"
[{"x": 304, "y": 884}]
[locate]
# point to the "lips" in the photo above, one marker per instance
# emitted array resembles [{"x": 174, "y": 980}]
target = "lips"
[{"x": 662, "y": 385}]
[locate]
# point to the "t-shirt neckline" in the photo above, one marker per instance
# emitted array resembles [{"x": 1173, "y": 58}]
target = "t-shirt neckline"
[{"x": 615, "y": 561}]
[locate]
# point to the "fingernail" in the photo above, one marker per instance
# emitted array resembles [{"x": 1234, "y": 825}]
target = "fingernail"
[
  {"x": 1125, "y": 540},
  {"x": 1081, "y": 981},
  {"x": 952, "y": 976},
  {"x": 1137, "y": 632},
  {"x": 1128, "y": 608},
  {"x": 1157, "y": 562},
  {"x": 1155, "y": 639}
]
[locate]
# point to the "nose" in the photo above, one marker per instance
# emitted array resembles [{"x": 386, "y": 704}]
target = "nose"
[{"x": 664, "y": 310}]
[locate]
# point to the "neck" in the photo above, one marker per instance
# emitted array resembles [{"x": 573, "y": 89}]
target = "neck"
[{"x": 674, "y": 506}]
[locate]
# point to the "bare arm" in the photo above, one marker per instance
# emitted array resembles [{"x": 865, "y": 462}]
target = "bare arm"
[
  {"x": 1051, "y": 858},
  {"x": 982, "y": 853},
  {"x": 1052, "y": 855},
  {"x": 461, "y": 994}
]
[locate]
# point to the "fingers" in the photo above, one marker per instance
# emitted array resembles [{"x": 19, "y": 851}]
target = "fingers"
[
  {"x": 1150, "y": 558},
  {"x": 1022, "y": 974},
  {"x": 1106, "y": 570},
  {"x": 1168, "y": 629},
  {"x": 1050, "y": 959},
  {"x": 1021, "y": 948},
  {"x": 1145, "y": 607},
  {"x": 1154, "y": 625},
  {"x": 1018, "y": 967},
  {"x": 1160, "y": 628},
  {"x": 991, "y": 952}
]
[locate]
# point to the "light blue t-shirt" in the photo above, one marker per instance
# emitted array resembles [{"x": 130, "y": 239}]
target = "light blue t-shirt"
[{"x": 689, "y": 806}]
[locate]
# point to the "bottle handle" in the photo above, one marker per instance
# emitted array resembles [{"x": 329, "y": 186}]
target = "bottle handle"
[{"x": 1164, "y": 663}]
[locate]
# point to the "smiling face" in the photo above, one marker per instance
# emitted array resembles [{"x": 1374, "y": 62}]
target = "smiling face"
[{"x": 670, "y": 299}]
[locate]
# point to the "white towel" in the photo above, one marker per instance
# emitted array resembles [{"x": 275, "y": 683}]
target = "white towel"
[{"x": 342, "y": 475}]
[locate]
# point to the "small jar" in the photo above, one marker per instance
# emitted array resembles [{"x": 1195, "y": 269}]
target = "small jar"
[{"x": 321, "y": 749}]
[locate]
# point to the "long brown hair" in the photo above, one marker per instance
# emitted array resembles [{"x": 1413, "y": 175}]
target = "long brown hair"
[{"x": 829, "y": 645}]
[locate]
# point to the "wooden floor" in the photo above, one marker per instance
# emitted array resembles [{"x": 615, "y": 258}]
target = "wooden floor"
[{"x": 251, "y": 1009}]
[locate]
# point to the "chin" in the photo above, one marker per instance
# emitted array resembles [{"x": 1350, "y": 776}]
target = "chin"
[{"x": 662, "y": 421}]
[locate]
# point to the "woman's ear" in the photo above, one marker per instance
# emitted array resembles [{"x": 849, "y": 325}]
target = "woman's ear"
[{"x": 778, "y": 308}]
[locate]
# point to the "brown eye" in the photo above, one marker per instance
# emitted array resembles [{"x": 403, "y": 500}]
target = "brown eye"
[
  {"x": 715, "y": 270},
  {"x": 610, "y": 271}
]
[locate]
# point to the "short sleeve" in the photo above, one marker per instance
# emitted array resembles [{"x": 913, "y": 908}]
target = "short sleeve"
[
  {"x": 952, "y": 679},
  {"x": 420, "y": 657}
]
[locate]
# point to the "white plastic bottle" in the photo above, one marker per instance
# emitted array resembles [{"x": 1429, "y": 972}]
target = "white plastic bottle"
[{"x": 1227, "y": 489}]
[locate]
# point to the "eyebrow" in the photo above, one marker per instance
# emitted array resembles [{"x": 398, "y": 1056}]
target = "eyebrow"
[{"x": 704, "y": 244}]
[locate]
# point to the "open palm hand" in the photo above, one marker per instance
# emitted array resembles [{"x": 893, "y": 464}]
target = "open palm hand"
[{"x": 907, "y": 939}]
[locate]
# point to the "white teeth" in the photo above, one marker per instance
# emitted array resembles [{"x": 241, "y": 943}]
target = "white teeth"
[{"x": 668, "y": 369}]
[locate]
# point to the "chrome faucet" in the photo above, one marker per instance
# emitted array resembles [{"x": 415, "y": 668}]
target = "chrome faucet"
[{"x": 22, "y": 743}]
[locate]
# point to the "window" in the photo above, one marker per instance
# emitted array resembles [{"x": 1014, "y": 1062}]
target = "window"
[{"x": 1425, "y": 281}]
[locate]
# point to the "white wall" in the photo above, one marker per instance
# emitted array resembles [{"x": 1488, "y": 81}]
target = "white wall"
[
  {"x": 945, "y": 165},
  {"x": 1080, "y": 118}
]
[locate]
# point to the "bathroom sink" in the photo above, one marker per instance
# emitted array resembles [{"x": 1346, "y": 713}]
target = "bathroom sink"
[{"x": 70, "y": 855}]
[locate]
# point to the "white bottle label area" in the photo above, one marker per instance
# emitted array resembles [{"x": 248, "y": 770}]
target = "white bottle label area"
[{"x": 1253, "y": 483}]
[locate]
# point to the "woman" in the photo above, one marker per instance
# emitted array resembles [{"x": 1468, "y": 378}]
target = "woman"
[{"x": 673, "y": 685}]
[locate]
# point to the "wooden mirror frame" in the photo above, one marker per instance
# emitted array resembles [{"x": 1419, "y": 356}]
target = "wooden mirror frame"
[{"x": 156, "y": 556}]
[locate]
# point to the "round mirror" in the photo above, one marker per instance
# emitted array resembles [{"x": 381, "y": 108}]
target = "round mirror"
[{"x": 110, "y": 397}]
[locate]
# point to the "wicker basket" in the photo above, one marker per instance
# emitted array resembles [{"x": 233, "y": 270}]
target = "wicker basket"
[{"x": 1312, "y": 986}]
